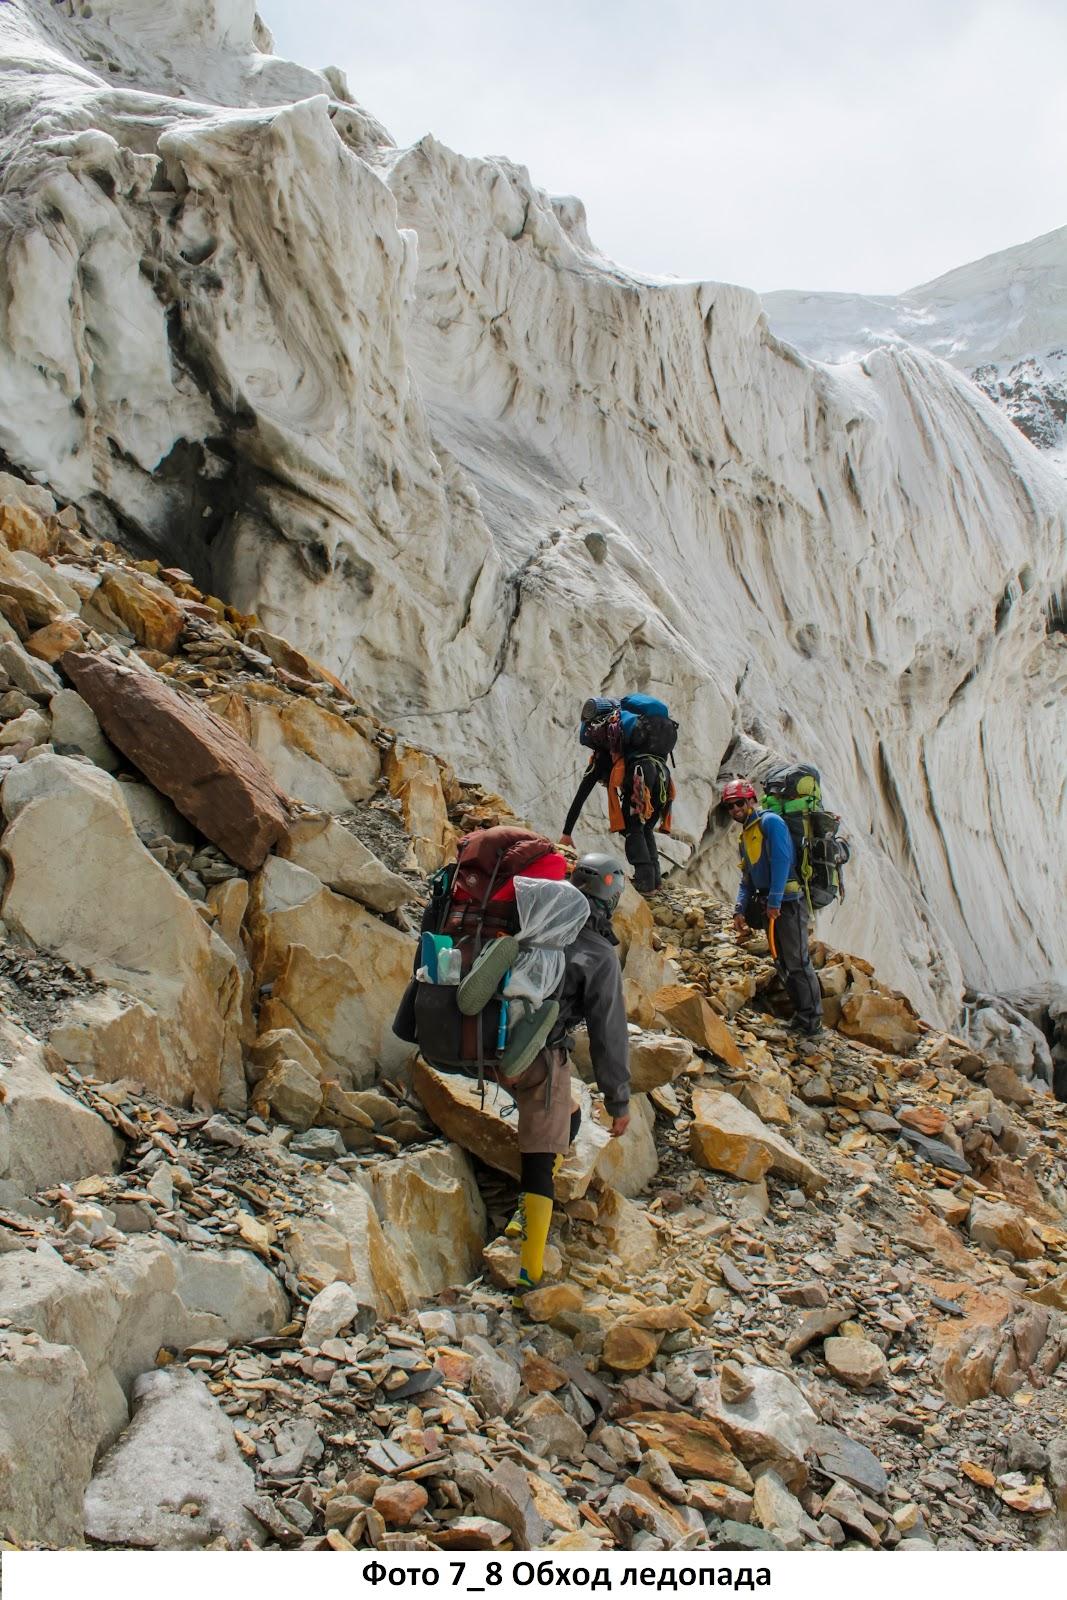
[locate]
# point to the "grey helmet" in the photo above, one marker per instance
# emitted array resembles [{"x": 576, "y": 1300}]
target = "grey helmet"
[{"x": 601, "y": 878}]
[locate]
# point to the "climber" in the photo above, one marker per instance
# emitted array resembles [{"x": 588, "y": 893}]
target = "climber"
[
  {"x": 474, "y": 904},
  {"x": 548, "y": 1118},
  {"x": 769, "y": 895},
  {"x": 631, "y": 741}
]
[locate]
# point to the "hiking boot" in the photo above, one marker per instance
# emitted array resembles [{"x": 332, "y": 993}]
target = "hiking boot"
[
  {"x": 807, "y": 1028},
  {"x": 485, "y": 976},
  {"x": 521, "y": 1290},
  {"x": 516, "y": 1228},
  {"x": 527, "y": 1038}
]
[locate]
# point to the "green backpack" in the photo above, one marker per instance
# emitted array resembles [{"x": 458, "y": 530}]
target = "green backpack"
[{"x": 795, "y": 794}]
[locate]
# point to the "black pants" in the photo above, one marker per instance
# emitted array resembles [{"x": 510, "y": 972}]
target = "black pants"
[
  {"x": 640, "y": 835},
  {"x": 794, "y": 962}
]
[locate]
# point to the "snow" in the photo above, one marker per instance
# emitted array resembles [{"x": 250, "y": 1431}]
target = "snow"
[
  {"x": 1002, "y": 319},
  {"x": 395, "y": 402}
]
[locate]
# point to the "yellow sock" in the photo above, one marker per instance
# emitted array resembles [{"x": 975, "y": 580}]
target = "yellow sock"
[{"x": 538, "y": 1221}]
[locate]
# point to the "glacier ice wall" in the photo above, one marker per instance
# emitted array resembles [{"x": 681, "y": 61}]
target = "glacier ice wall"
[{"x": 397, "y": 403}]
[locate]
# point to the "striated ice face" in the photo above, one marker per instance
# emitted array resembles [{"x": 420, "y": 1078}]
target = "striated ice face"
[{"x": 396, "y": 403}]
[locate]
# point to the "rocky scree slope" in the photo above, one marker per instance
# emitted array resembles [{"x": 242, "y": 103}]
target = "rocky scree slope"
[
  {"x": 396, "y": 403},
  {"x": 252, "y": 1292}
]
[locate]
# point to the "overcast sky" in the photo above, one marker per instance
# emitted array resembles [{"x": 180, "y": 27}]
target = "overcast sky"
[{"x": 802, "y": 144}]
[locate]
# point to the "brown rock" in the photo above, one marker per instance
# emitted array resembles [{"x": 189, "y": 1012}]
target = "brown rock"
[
  {"x": 656, "y": 1059},
  {"x": 726, "y": 1137},
  {"x": 1000, "y": 1226},
  {"x": 153, "y": 617},
  {"x": 880, "y": 1020},
  {"x": 540, "y": 1375},
  {"x": 929, "y": 1235},
  {"x": 1004, "y": 1082},
  {"x": 857, "y": 1362},
  {"x": 995, "y": 1345},
  {"x": 186, "y": 752},
  {"x": 1053, "y": 1293},
  {"x": 734, "y": 1386},
  {"x": 290, "y": 659},
  {"x": 415, "y": 779},
  {"x": 455, "y": 1366},
  {"x": 924, "y": 1119},
  {"x": 627, "y": 1231},
  {"x": 1017, "y": 1184},
  {"x": 694, "y": 1448},
  {"x": 21, "y": 528},
  {"x": 554, "y": 1300},
  {"x": 52, "y": 641},
  {"x": 37, "y": 602},
  {"x": 816, "y": 1325},
  {"x": 488, "y": 1131},
  {"x": 767, "y": 1103},
  {"x": 683, "y": 1008},
  {"x": 720, "y": 1500},
  {"x": 630, "y": 1349},
  {"x": 399, "y": 1503},
  {"x": 281, "y": 1044},
  {"x": 950, "y": 1207},
  {"x": 291, "y": 1093}
]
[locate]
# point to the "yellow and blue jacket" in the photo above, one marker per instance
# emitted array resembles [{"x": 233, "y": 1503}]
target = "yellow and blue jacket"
[{"x": 768, "y": 862}]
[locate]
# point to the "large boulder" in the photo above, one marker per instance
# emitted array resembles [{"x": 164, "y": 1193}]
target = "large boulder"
[
  {"x": 415, "y": 780},
  {"x": 312, "y": 754},
  {"x": 881, "y": 1020},
  {"x": 82, "y": 885},
  {"x": 999, "y": 1345},
  {"x": 682, "y": 1008},
  {"x": 48, "y": 1435},
  {"x": 1000, "y": 1226},
  {"x": 727, "y": 1137},
  {"x": 341, "y": 1241},
  {"x": 188, "y": 753},
  {"x": 343, "y": 863},
  {"x": 178, "y": 1453},
  {"x": 336, "y": 973},
  {"x": 767, "y": 1422},
  {"x": 629, "y": 1163},
  {"x": 145, "y": 607},
  {"x": 489, "y": 1129},
  {"x": 46, "y": 1136},
  {"x": 149, "y": 1293},
  {"x": 657, "y": 1059},
  {"x": 406, "y": 1230},
  {"x": 432, "y": 1218}
]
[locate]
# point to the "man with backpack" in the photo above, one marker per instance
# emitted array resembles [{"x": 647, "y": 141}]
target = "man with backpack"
[
  {"x": 771, "y": 895},
  {"x": 477, "y": 908},
  {"x": 632, "y": 740}
]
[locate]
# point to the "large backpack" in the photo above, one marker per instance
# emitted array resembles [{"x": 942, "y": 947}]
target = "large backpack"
[
  {"x": 636, "y": 725},
  {"x": 795, "y": 794},
  {"x": 465, "y": 906}
]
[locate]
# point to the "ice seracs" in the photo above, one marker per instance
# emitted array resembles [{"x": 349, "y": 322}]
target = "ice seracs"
[{"x": 396, "y": 404}]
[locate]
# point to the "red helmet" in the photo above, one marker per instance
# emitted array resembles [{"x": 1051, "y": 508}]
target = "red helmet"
[{"x": 737, "y": 789}]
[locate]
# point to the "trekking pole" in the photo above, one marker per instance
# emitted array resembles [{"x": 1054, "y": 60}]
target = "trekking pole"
[{"x": 771, "y": 939}]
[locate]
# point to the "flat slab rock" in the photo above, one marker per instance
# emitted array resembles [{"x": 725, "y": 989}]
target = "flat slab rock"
[
  {"x": 178, "y": 1452},
  {"x": 212, "y": 775}
]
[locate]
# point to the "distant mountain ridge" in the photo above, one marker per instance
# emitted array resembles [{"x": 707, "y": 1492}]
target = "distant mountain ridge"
[{"x": 1002, "y": 320}]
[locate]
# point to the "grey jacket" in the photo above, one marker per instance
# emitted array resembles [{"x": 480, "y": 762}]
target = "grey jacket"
[{"x": 592, "y": 993}]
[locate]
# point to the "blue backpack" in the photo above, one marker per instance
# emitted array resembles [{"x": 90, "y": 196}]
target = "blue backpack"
[{"x": 636, "y": 725}]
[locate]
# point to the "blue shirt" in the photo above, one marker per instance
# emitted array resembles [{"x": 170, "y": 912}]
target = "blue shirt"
[{"x": 768, "y": 861}]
